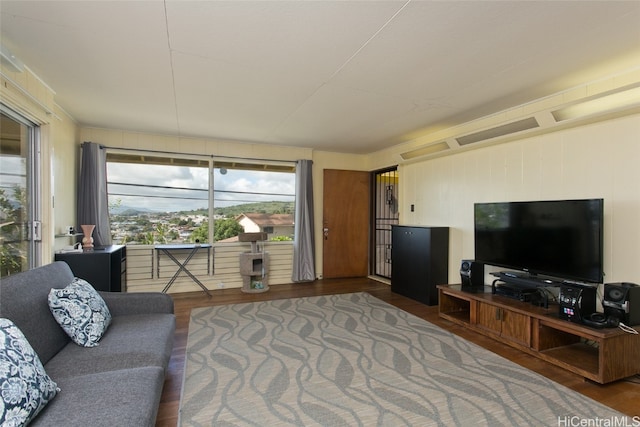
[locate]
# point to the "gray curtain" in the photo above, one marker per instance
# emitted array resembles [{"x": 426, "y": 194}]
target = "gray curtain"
[
  {"x": 93, "y": 205},
  {"x": 304, "y": 244}
]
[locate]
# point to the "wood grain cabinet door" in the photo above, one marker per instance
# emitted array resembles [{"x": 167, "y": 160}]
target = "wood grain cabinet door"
[
  {"x": 516, "y": 327},
  {"x": 508, "y": 324},
  {"x": 489, "y": 317}
]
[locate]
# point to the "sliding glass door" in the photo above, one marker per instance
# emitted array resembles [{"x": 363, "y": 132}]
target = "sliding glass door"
[{"x": 19, "y": 190}]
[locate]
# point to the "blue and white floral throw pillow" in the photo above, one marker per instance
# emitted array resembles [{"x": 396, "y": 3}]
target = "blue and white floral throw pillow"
[
  {"x": 25, "y": 387},
  {"x": 81, "y": 312}
]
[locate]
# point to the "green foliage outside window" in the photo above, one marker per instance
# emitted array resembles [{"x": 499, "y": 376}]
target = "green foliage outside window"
[
  {"x": 12, "y": 253},
  {"x": 223, "y": 229}
]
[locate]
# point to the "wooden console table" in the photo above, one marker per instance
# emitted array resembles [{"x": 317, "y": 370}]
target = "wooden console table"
[{"x": 601, "y": 355}]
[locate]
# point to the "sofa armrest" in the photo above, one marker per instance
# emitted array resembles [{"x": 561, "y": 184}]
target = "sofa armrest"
[{"x": 138, "y": 303}]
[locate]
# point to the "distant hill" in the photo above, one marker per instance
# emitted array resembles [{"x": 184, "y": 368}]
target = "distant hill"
[
  {"x": 230, "y": 211},
  {"x": 262, "y": 207},
  {"x": 128, "y": 210}
]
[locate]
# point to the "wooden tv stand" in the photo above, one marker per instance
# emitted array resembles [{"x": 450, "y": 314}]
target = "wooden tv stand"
[{"x": 600, "y": 355}]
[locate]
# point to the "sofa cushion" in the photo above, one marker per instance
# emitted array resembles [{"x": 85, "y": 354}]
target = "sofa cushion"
[
  {"x": 25, "y": 387},
  {"x": 131, "y": 341},
  {"x": 81, "y": 312},
  {"x": 137, "y": 303},
  {"x": 117, "y": 398},
  {"x": 24, "y": 301}
]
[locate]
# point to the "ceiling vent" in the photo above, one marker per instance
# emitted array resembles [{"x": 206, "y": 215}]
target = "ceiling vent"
[
  {"x": 503, "y": 130},
  {"x": 423, "y": 151}
]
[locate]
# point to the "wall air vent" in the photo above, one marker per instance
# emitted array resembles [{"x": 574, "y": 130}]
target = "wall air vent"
[
  {"x": 503, "y": 130},
  {"x": 427, "y": 149}
]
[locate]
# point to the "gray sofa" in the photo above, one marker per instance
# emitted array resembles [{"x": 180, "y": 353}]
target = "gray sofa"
[{"x": 117, "y": 383}]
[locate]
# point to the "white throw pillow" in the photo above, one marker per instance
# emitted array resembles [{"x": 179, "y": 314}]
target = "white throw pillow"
[
  {"x": 81, "y": 312},
  {"x": 25, "y": 387}
]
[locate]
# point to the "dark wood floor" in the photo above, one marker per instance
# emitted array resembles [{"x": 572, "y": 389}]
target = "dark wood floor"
[{"x": 621, "y": 395}]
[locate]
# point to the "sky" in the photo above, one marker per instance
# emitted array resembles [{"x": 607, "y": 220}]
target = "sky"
[{"x": 189, "y": 186}]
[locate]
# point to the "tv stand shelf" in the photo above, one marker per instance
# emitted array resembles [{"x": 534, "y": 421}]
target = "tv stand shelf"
[{"x": 600, "y": 355}]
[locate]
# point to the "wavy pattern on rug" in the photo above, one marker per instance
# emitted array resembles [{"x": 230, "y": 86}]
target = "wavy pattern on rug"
[{"x": 354, "y": 360}]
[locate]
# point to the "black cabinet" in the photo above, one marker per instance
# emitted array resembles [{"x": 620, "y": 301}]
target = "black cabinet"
[
  {"x": 104, "y": 267},
  {"x": 419, "y": 261}
]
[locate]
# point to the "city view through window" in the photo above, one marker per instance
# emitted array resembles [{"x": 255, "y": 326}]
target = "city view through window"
[{"x": 161, "y": 203}]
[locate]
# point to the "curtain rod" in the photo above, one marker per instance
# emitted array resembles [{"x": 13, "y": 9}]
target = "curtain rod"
[{"x": 212, "y": 156}]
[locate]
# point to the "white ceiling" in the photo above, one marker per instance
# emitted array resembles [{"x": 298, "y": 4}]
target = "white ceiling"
[{"x": 347, "y": 76}]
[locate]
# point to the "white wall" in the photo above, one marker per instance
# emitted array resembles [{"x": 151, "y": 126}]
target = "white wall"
[
  {"x": 66, "y": 168},
  {"x": 598, "y": 160}
]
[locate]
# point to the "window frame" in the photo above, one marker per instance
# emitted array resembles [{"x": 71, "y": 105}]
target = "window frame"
[
  {"x": 31, "y": 230},
  {"x": 118, "y": 155}
]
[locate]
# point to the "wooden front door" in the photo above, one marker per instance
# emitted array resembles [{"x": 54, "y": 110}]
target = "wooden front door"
[{"x": 345, "y": 223}]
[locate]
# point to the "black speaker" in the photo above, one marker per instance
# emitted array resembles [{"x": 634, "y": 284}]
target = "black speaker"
[
  {"x": 622, "y": 301},
  {"x": 471, "y": 274}
]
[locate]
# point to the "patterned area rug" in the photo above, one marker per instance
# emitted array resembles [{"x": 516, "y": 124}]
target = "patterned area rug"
[{"x": 354, "y": 360}]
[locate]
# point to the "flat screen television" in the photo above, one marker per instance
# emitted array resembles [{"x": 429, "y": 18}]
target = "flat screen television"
[{"x": 557, "y": 238}]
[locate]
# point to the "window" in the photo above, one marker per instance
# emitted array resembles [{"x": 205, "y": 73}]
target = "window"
[
  {"x": 19, "y": 193},
  {"x": 155, "y": 199}
]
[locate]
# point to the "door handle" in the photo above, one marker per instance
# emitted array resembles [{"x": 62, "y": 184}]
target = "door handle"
[
  {"x": 34, "y": 231},
  {"x": 325, "y": 232}
]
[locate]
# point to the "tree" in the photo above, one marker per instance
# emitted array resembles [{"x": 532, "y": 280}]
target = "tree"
[
  {"x": 200, "y": 234},
  {"x": 12, "y": 252},
  {"x": 160, "y": 235},
  {"x": 226, "y": 228}
]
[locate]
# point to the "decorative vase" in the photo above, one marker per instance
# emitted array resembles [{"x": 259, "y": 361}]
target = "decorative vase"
[{"x": 87, "y": 240}]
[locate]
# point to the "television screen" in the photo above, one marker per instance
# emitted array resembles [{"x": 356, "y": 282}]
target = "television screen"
[{"x": 557, "y": 238}]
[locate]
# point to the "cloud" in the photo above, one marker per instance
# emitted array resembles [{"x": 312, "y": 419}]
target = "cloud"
[{"x": 177, "y": 188}]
